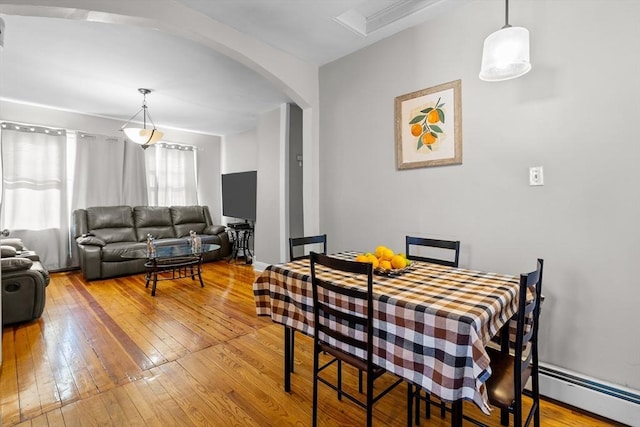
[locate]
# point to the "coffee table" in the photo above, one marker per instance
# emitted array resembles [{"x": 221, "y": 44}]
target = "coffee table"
[{"x": 179, "y": 261}]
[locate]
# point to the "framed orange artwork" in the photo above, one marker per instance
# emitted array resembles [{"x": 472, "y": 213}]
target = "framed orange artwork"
[{"x": 429, "y": 127}]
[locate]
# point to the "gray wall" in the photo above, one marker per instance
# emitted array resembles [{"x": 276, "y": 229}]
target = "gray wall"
[
  {"x": 574, "y": 114},
  {"x": 239, "y": 153}
]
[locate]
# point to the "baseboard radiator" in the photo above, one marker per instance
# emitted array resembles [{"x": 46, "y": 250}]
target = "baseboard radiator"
[{"x": 607, "y": 400}]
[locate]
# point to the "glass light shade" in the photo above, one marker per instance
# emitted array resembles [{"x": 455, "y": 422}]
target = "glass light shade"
[
  {"x": 143, "y": 136},
  {"x": 505, "y": 54}
]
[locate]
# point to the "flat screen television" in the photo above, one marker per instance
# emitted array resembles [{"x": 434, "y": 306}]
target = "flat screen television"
[{"x": 239, "y": 195}]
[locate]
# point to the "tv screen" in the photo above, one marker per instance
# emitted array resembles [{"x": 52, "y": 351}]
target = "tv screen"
[{"x": 239, "y": 195}]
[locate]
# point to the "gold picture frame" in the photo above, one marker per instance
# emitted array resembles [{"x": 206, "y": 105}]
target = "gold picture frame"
[{"x": 429, "y": 127}]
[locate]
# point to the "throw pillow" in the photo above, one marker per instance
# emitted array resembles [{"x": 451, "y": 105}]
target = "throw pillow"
[
  {"x": 7, "y": 251},
  {"x": 15, "y": 264},
  {"x": 15, "y": 242}
]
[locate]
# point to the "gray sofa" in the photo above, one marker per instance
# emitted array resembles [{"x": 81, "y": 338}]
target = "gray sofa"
[
  {"x": 24, "y": 282},
  {"x": 104, "y": 233}
]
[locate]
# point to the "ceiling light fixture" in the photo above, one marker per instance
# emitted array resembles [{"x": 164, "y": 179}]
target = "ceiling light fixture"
[
  {"x": 143, "y": 136},
  {"x": 506, "y": 53}
]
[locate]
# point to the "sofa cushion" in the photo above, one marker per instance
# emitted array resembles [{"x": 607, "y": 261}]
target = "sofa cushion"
[
  {"x": 111, "y": 223},
  {"x": 109, "y": 217},
  {"x": 15, "y": 264},
  {"x": 187, "y": 218},
  {"x": 7, "y": 251},
  {"x": 113, "y": 252},
  {"x": 111, "y": 235},
  {"x": 154, "y": 220}
]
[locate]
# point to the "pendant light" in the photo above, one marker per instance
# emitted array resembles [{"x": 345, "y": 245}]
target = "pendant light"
[
  {"x": 143, "y": 136},
  {"x": 506, "y": 53}
]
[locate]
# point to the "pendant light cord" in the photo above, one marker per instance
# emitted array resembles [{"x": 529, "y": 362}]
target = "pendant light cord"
[
  {"x": 144, "y": 111},
  {"x": 506, "y": 14}
]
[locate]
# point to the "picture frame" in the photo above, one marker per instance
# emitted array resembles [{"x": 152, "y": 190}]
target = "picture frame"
[{"x": 428, "y": 126}]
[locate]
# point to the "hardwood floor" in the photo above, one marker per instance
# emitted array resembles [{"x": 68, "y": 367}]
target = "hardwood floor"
[{"x": 107, "y": 353}]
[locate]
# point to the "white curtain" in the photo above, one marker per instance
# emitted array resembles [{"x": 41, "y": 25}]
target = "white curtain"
[
  {"x": 34, "y": 190},
  {"x": 98, "y": 169},
  {"x": 171, "y": 175},
  {"x": 134, "y": 185},
  {"x": 108, "y": 172}
]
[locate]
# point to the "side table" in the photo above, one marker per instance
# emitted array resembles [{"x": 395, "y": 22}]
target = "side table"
[{"x": 240, "y": 235}]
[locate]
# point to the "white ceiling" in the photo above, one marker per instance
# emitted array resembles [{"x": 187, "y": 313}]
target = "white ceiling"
[{"x": 96, "y": 68}]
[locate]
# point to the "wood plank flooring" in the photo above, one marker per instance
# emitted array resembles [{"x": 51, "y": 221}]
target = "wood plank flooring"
[{"x": 106, "y": 353}]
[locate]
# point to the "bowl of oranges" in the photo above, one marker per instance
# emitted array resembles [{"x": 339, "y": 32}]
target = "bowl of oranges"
[{"x": 386, "y": 262}]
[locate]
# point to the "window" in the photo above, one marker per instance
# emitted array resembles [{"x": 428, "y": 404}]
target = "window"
[
  {"x": 34, "y": 193},
  {"x": 171, "y": 175}
]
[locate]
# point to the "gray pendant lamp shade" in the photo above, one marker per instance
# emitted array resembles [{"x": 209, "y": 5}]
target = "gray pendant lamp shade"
[
  {"x": 143, "y": 136},
  {"x": 506, "y": 53}
]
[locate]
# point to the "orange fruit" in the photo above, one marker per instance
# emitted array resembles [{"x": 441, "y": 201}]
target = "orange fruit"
[
  {"x": 380, "y": 251},
  {"x": 433, "y": 116},
  {"x": 416, "y": 129},
  {"x": 387, "y": 254},
  {"x": 362, "y": 258},
  {"x": 428, "y": 139},
  {"x": 373, "y": 260},
  {"x": 398, "y": 261},
  {"x": 386, "y": 265}
]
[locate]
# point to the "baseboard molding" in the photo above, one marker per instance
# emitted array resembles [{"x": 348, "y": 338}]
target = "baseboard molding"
[
  {"x": 259, "y": 266},
  {"x": 611, "y": 401}
]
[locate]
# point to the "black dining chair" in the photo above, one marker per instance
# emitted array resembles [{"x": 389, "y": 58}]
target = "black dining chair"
[
  {"x": 452, "y": 248},
  {"x": 302, "y": 242},
  {"x": 343, "y": 317},
  {"x": 517, "y": 360}
]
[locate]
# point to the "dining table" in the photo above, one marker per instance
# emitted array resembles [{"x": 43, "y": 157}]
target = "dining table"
[{"x": 431, "y": 322}]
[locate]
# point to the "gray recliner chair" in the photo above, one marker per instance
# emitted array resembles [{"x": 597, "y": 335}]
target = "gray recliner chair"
[{"x": 24, "y": 282}]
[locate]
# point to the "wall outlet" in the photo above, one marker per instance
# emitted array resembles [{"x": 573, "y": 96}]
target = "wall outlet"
[{"x": 536, "y": 175}]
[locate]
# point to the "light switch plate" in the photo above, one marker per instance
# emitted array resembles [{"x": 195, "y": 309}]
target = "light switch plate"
[{"x": 536, "y": 175}]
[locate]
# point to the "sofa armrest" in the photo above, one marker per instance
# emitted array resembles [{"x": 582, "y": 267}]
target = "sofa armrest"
[
  {"x": 42, "y": 271},
  {"x": 90, "y": 241},
  {"x": 23, "y": 294},
  {"x": 79, "y": 223},
  {"x": 15, "y": 264},
  {"x": 225, "y": 245},
  {"x": 214, "y": 229},
  {"x": 90, "y": 261}
]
